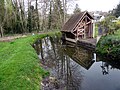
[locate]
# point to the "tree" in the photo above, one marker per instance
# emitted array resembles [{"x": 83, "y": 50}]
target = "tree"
[
  {"x": 117, "y": 11},
  {"x": 118, "y": 24},
  {"x": 2, "y": 13},
  {"x": 50, "y": 16},
  {"x": 77, "y": 9},
  {"x": 64, "y": 10},
  {"x": 29, "y": 22},
  {"x": 58, "y": 14},
  {"x": 108, "y": 25},
  {"x": 37, "y": 17},
  {"x": 17, "y": 17}
]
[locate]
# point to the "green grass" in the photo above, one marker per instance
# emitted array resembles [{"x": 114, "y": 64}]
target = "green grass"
[{"x": 19, "y": 64}]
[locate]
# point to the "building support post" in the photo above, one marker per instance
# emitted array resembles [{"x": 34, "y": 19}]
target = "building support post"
[
  {"x": 93, "y": 28},
  {"x": 77, "y": 36}
]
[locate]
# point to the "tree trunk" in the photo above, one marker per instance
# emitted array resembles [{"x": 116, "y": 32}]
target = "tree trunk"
[
  {"x": 1, "y": 31},
  {"x": 64, "y": 8}
]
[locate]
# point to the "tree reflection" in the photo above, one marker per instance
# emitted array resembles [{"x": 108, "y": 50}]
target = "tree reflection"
[
  {"x": 105, "y": 68},
  {"x": 61, "y": 61},
  {"x": 108, "y": 65}
]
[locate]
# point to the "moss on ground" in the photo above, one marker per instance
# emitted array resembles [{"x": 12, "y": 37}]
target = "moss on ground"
[{"x": 19, "y": 64}]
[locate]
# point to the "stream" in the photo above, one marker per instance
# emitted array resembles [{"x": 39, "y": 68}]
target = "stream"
[{"x": 75, "y": 68}]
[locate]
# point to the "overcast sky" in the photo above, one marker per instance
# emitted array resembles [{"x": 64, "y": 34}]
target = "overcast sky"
[{"x": 99, "y": 5}]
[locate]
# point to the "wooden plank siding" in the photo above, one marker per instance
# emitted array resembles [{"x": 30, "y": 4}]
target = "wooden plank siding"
[
  {"x": 79, "y": 28},
  {"x": 79, "y": 25}
]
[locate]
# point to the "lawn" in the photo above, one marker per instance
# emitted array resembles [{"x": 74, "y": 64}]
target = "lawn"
[{"x": 19, "y": 64}]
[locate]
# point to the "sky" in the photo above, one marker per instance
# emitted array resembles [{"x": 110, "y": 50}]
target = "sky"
[{"x": 96, "y": 5}]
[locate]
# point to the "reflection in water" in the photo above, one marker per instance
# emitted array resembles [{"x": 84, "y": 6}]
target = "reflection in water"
[
  {"x": 106, "y": 65},
  {"x": 105, "y": 68},
  {"x": 68, "y": 64},
  {"x": 81, "y": 56},
  {"x": 59, "y": 58}
]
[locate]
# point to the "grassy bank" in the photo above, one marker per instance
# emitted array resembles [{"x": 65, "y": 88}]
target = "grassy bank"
[
  {"x": 110, "y": 45},
  {"x": 19, "y": 64}
]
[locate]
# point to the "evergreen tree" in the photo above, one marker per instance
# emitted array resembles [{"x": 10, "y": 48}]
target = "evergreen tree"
[
  {"x": 57, "y": 15},
  {"x": 117, "y": 11},
  {"x": 77, "y": 9}
]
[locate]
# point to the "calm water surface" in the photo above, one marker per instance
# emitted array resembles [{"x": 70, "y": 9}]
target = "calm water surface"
[{"x": 75, "y": 68}]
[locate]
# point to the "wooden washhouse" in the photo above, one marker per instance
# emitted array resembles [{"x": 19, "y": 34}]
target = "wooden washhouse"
[{"x": 79, "y": 26}]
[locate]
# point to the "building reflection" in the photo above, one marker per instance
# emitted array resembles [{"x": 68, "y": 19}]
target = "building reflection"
[
  {"x": 82, "y": 56},
  {"x": 64, "y": 62}
]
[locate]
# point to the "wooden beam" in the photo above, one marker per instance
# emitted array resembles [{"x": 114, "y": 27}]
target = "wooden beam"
[
  {"x": 78, "y": 23},
  {"x": 85, "y": 24},
  {"x": 81, "y": 19},
  {"x": 88, "y": 17},
  {"x": 81, "y": 26},
  {"x": 73, "y": 33},
  {"x": 89, "y": 22}
]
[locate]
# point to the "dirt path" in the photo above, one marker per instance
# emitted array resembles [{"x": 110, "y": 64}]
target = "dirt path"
[{"x": 10, "y": 38}]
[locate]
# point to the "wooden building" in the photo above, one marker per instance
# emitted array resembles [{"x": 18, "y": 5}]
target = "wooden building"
[{"x": 79, "y": 26}]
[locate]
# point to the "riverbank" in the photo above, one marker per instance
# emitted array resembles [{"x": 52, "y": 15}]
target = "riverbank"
[
  {"x": 110, "y": 46},
  {"x": 19, "y": 64}
]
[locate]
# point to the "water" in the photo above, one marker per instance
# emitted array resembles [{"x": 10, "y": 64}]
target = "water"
[{"x": 75, "y": 68}]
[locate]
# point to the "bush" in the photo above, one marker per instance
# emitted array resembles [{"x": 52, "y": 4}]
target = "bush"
[
  {"x": 110, "y": 45},
  {"x": 118, "y": 24}
]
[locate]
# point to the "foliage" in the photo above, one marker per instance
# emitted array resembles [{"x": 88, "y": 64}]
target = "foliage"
[
  {"x": 117, "y": 11},
  {"x": 110, "y": 45},
  {"x": 18, "y": 18},
  {"x": 19, "y": 64},
  {"x": 57, "y": 15},
  {"x": 108, "y": 24},
  {"x": 2, "y": 13},
  {"x": 118, "y": 24},
  {"x": 77, "y": 9}
]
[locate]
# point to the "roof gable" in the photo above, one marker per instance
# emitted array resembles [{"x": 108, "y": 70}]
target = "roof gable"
[{"x": 71, "y": 23}]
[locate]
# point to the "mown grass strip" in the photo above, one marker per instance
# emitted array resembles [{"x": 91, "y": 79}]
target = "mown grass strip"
[{"x": 19, "y": 64}]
